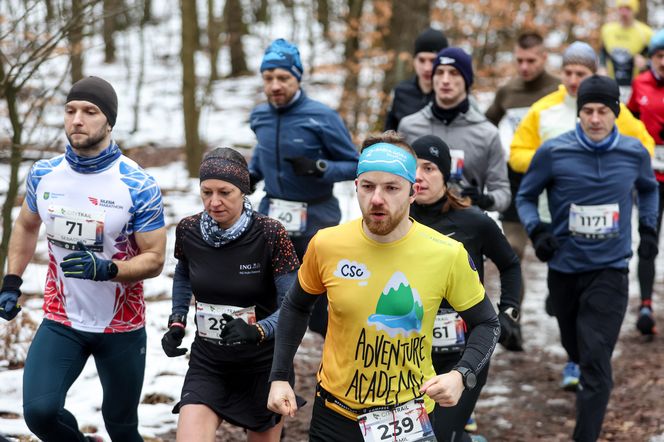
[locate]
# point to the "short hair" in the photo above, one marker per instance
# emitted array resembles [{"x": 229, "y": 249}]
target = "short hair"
[
  {"x": 391, "y": 137},
  {"x": 529, "y": 39}
]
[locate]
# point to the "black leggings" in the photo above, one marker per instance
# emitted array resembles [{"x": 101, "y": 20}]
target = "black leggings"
[
  {"x": 646, "y": 267},
  {"x": 56, "y": 358}
]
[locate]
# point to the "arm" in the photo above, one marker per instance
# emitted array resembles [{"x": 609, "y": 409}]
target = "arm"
[
  {"x": 23, "y": 240},
  {"x": 498, "y": 250},
  {"x": 342, "y": 154},
  {"x": 282, "y": 283},
  {"x": 182, "y": 291},
  {"x": 391, "y": 120},
  {"x": 628, "y": 125},
  {"x": 497, "y": 184},
  {"x": 532, "y": 185},
  {"x": 149, "y": 262},
  {"x": 496, "y": 112},
  {"x": 525, "y": 142},
  {"x": 648, "y": 197}
]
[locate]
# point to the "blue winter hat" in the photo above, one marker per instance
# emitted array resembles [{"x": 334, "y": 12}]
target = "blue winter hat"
[
  {"x": 656, "y": 42},
  {"x": 284, "y": 55},
  {"x": 457, "y": 58}
]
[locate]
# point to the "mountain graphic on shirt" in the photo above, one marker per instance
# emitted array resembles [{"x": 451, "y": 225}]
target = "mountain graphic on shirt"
[{"x": 399, "y": 310}]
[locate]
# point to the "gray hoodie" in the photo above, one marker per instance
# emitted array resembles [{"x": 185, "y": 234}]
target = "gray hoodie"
[{"x": 479, "y": 140}]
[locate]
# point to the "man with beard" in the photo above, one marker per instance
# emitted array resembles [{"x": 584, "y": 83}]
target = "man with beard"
[
  {"x": 385, "y": 276},
  {"x": 105, "y": 229}
]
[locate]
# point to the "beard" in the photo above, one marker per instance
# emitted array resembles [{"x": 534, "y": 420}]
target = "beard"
[
  {"x": 386, "y": 225},
  {"x": 90, "y": 143}
]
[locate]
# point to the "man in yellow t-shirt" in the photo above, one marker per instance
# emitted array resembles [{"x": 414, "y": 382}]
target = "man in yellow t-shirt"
[
  {"x": 624, "y": 46},
  {"x": 385, "y": 276}
]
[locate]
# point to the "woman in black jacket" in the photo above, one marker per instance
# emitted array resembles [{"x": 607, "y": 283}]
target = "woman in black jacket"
[{"x": 442, "y": 209}]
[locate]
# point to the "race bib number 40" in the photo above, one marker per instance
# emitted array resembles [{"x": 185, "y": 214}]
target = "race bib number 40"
[
  {"x": 449, "y": 332},
  {"x": 406, "y": 423},
  {"x": 594, "y": 222},
  {"x": 210, "y": 320},
  {"x": 292, "y": 214},
  {"x": 69, "y": 226}
]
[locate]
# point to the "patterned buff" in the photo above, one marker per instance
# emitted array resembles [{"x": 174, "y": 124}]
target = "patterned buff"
[
  {"x": 216, "y": 237},
  {"x": 93, "y": 165},
  {"x": 226, "y": 170},
  {"x": 385, "y": 157}
]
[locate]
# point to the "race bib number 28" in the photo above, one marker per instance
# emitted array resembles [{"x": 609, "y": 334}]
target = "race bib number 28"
[{"x": 210, "y": 320}]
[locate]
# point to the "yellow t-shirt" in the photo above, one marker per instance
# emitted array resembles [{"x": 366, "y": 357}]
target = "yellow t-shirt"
[
  {"x": 383, "y": 299},
  {"x": 621, "y": 44}
]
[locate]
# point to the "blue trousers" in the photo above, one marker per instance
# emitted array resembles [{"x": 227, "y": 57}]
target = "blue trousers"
[{"x": 56, "y": 358}]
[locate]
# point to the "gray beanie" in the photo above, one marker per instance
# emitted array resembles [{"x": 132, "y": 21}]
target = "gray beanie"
[{"x": 581, "y": 53}]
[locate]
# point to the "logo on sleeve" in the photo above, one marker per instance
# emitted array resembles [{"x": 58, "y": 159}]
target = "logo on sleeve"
[{"x": 347, "y": 269}]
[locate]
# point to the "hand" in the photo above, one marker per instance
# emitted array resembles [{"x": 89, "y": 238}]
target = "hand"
[
  {"x": 444, "y": 389},
  {"x": 172, "y": 340},
  {"x": 544, "y": 242},
  {"x": 9, "y": 295},
  {"x": 648, "y": 247},
  {"x": 510, "y": 333},
  {"x": 236, "y": 331},
  {"x": 253, "y": 180},
  {"x": 304, "y": 166},
  {"x": 479, "y": 198},
  {"x": 84, "y": 264},
  {"x": 282, "y": 399}
]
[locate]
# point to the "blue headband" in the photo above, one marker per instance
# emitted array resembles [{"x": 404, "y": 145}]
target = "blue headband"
[{"x": 385, "y": 157}]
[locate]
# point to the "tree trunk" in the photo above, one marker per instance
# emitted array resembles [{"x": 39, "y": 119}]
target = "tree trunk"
[
  {"x": 110, "y": 12},
  {"x": 262, "y": 11},
  {"x": 349, "y": 97},
  {"x": 147, "y": 11},
  {"x": 10, "y": 95},
  {"x": 235, "y": 28},
  {"x": 213, "y": 33},
  {"x": 189, "y": 106},
  {"x": 323, "y": 16},
  {"x": 76, "y": 43}
]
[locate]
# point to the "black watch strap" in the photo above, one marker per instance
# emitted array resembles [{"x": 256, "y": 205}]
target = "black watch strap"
[
  {"x": 177, "y": 317},
  {"x": 112, "y": 270}
]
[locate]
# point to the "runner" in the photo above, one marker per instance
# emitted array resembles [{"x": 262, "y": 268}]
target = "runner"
[
  {"x": 235, "y": 320},
  {"x": 385, "y": 277},
  {"x": 647, "y": 103},
  {"x": 303, "y": 149},
  {"x": 441, "y": 208},
  {"x": 590, "y": 175},
  {"x": 413, "y": 94},
  {"x": 478, "y": 164},
  {"x": 105, "y": 228}
]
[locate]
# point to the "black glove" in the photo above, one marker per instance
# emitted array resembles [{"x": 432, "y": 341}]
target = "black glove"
[
  {"x": 648, "y": 247},
  {"x": 479, "y": 198},
  {"x": 173, "y": 337},
  {"x": 304, "y": 166},
  {"x": 510, "y": 332},
  {"x": 84, "y": 264},
  {"x": 544, "y": 242},
  {"x": 253, "y": 180},
  {"x": 236, "y": 331},
  {"x": 11, "y": 290}
]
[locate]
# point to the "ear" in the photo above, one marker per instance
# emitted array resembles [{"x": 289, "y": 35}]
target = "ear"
[
  {"x": 414, "y": 190},
  {"x": 355, "y": 185}
]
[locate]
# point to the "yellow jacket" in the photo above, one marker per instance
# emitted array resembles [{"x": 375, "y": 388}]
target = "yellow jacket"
[{"x": 554, "y": 115}]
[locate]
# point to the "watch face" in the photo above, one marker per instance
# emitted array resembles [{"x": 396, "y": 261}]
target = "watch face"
[{"x": 471, "y": 380}]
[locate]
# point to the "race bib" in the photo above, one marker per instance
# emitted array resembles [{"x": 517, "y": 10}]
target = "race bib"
[
  {"x": 449, "y": 332},
  {"x": 292, "y": 214},
  {"x": 70, "y": 226},
  {"x": 210, "y": 320},
  {"x": 594, "y": 222},
  {"x": 658, "y": 160},
  {"x": 456, "y": 169},
  {"x": 406, "y": 423}
]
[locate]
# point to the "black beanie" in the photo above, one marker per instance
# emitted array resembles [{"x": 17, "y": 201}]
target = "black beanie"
[
  {"x": 432, "y": 148},
  {"x": 599, "y": 89},
  {"x": 98, "y": 92},
  {"x": 431, "y": 40}
]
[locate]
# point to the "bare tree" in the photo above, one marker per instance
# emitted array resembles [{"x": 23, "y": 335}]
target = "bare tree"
[
  {"x": 190, "y": 106},
  {"x": 75, "y": 36},
  {"x": 235, "y": 28},
  {"x": 213, "y": 33},
  {"x": 110, "y": 12}
]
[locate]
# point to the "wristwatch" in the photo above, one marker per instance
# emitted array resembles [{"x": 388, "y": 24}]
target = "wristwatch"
[
  {"x": 468, "y": 376},
  {"x": 512, "y": 313},
  {"x": 112, "y": 270},
  {"x": 177, "y": 317},
  {"x": 321, "y": 165}
]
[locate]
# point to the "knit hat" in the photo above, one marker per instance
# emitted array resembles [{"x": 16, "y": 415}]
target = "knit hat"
[
  {"x": 430, "y": 40},
  {"x": 285, "y": 55},
  {"x": 599, "y": 89},
  {"x": 631, "y": 4},
  {"x": 457, "y": 58},
  {"x": 581, "y": 53},
  {"x": 98, "y": 92},
  {"x": 220, "y": 165},
  {"x": 656, "y": 42},
  {"x": 434, "y": 149}
]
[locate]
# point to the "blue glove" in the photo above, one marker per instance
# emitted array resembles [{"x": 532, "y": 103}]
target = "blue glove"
[
  {"x": 86, "y": 265},
  {"x": 9, "y": 294}
]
